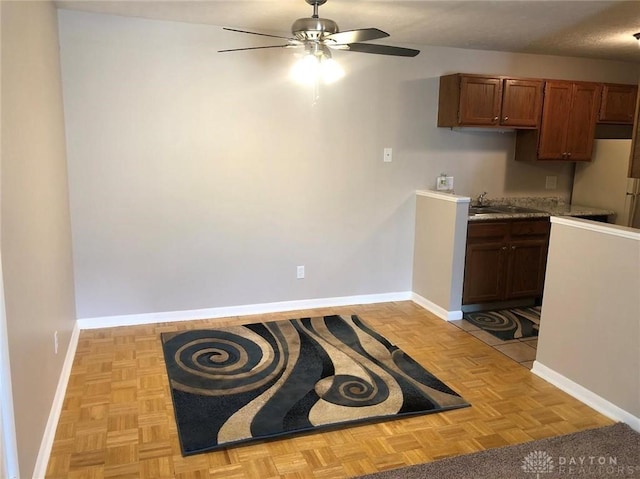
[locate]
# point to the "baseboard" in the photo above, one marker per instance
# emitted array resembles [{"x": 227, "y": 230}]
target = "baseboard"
[
  {"x": 586, "y": 396},
  {"x": 227, "y": 311},
  {"x": 56, "y": 408},
  {"x": 435, "y": 309}
]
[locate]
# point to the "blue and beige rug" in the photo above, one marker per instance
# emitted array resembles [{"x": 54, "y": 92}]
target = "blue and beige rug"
[
  {"x": 506, "y": 324},
  {"x": 236, "y": 384}
]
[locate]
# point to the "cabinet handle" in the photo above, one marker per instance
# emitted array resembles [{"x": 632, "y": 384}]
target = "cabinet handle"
[
  {"x": 495, "y": 118},
  {"x": 569, "y": 155},
  {"x": 513, "y": 247},
  {"x": 504, "y": 248},
  {"x": 505, "y": 118}
]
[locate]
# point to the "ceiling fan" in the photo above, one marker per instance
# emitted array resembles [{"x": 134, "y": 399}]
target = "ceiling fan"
[{"x": 319, "y": 35}]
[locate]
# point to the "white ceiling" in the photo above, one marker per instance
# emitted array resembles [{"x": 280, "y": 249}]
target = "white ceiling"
[{"x": 594, "y": 29}]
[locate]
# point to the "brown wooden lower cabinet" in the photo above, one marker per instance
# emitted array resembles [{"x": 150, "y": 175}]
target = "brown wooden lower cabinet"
[{"x": 505, "y": 260}]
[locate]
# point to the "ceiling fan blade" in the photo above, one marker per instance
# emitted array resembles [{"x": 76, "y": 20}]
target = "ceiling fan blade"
[
  {"x": 253, "y": 48},
  {"x": 254, "y": 33},
  {"x": 359, "y": 35},
  {"x": 382, "y": 49}
]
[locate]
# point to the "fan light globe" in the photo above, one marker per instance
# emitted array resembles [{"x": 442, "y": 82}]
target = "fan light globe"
[
  {"x": 311, "y": 69},
  {"x": 330, "y": 70},
  {"x": 305, "y": 70}
]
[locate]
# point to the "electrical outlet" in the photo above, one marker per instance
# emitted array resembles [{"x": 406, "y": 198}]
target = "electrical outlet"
[
  {"x": 55, "y": 342},
  {"x": 444, "y": 183},
  {"x": 387, "y": 155},
  {"x": 300, "y": 272}
]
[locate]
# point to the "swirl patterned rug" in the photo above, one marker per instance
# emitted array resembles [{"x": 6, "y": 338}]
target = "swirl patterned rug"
[
  {"x": 236, "y": 384},
  {"x": 506, "y": 324}
]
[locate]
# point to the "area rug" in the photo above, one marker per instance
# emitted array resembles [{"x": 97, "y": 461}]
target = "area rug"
[
  {"x": 236, "y": 384},
  {"x": 506, "y": 324},
  {"x": 606, "y": 452}
]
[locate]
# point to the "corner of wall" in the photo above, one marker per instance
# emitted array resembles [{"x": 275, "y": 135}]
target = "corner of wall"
[{"x": 46, "y": 444}]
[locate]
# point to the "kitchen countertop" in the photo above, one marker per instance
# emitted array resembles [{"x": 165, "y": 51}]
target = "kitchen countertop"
[{"x": 546, "y": 207}]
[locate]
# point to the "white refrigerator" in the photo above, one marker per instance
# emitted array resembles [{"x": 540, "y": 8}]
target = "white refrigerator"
[{"x": 603, "y": 182}]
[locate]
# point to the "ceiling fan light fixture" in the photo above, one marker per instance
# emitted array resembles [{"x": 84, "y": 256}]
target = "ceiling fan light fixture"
[
  {"x": 305, "y": 70},
  {"x": 316, "y": 66},
  {"x": 637, "y": 36},
  {"x": 330, "y": 70}
]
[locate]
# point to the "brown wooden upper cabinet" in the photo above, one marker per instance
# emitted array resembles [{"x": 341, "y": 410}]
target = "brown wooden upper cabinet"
[
  {"x": 569, "y": 114},
  {"x": 489, "y": 101},
  {"x": 618, "y": 104},
  {"x": 568, "y": 120}
]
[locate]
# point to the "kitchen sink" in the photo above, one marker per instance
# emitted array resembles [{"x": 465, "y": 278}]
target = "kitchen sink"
[
  {"x": 499, "y": 209},
  {"x": 516, "y": 209},
  {"x": 483, "y": 210}
]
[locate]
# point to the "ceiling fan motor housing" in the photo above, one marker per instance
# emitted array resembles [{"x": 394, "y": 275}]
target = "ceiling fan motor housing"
[{"x": 313, "y": 28}]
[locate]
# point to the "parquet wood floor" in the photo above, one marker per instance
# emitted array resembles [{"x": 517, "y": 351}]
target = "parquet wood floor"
[{"x": 117, "y": 420}]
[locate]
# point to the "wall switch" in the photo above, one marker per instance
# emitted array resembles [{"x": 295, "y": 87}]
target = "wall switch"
[
  {"x": 387, "y": 155},
  {"x": 551, "y": 182},
  {"x": 55, "y": 342},
  {"x": 300, "y": 272}
]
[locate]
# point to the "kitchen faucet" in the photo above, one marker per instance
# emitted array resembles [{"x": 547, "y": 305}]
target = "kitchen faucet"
[{"x": 480, "y": 199}]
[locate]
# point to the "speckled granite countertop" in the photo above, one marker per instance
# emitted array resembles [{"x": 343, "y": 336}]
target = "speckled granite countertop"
[{"x": 546, "y": 207}]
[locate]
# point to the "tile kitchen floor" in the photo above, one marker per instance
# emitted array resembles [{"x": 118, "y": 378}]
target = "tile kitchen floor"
[{"x": 522, "y": 351}]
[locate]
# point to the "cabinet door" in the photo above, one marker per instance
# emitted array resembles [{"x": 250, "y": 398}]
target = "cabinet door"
[
  {"x": 521, "y": 103},
  {"x": 582, "y": 121},
  {"x": 555, "y": 120},
  {"x": 484, "y": 273},
  {"x": 526, "y": 268},
  {"x": 479, "y": 101},
  {"x": 618, "y": 104}
]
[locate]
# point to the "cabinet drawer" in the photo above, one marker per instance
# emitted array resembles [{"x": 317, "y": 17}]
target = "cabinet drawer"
[
  {"x": 486, "y": 231},
  {"x": 530, "y": 228}
]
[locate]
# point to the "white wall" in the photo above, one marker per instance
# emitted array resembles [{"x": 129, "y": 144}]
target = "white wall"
[
  {"x": 590, "y": 324},
  {"x": 438, "y": 259},
  {"x": 36, "y": 232},
  {"x": 201, "y": 180}
]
